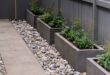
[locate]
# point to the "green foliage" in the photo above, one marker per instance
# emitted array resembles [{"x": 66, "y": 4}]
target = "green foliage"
[
  {"x": 34, "y": 7},
  {"x": 78, "y": 37},
  {"x": 47, "y": 17},
  {"x": 57, "y": 22},
  {"x": 84, "y": 43},
  {"x": 104, "y": 59},
  {"x": 51, "y": 20},
  {"x": 77, "y": 24}
]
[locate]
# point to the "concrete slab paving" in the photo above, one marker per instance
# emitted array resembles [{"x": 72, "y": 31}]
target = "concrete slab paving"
[{"x": 17, "y": 57}]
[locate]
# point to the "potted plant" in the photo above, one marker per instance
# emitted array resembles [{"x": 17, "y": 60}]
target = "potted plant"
[
  {"x": 48, "y": 24},
  {"x": 99, "y": 65},
  {"x": 33, "y": 12},
  {"x": 74, "y": 46}
]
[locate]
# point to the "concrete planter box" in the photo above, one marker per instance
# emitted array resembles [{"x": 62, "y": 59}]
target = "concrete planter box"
[
  {"x": 31, "y": 18},
  {"x": 95, "y": 69},
  {"x": 46, "y": 31},
  {"x": 75, "y": 56}
]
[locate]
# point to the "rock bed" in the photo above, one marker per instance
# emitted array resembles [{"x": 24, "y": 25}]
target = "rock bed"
[
  {"x": 47, "y": 55},
  {"x": 2, "y": 67}
]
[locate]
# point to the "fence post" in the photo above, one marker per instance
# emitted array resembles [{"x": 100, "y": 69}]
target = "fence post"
[
  {"x": 15, "y": 9},
  {"x": 95, "y": 21},
  {"x": 59, "y": 7}
]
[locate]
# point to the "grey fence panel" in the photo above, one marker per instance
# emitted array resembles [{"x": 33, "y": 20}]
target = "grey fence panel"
[
  {"x": 51, "y": 5},
  {"x": 5, "y": 8},
  {"x": 22, "y": 5},
  {"x": 104, "y": 25},
  {"x": 84, "y": 11}
]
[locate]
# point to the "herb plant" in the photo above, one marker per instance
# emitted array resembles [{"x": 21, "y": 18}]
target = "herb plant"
[
  {"x": 78, "y": 37},
  {"x": 47, "y": 17},
  {"x": 104, "y": 59},
  {"x": 57, "y": 22},
  {"x": 35, "y": 8},
  {"x": 51, "y": 20}
]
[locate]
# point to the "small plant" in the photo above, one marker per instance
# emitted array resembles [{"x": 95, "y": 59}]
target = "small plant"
[
  {"x": 57, "y": 22},
  {"x": 51, "y": 20},
  {"x": 77, "y": 36},
  {"x": 104, "y": 59},
  {"x": 47, "y": 17},
  {"x": 34, "y": 7},
  {"x": 84, "y": 43},
  {"x": 77, "y": 24}
]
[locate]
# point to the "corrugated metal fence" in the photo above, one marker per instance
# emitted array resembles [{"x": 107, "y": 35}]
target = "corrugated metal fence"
[
  {"x": 7, "y": 9},
  {"x": 95, "y": 20}
]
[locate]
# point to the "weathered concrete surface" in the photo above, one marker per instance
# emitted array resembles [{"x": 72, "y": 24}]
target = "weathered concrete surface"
[
  {"x": 92, "y": 68},
  {"x": 31, "y": 18},
  {"x": 75, "y": 56},
  {"x": 46, "y": 31},
  {"x": 18, "y": 59}
]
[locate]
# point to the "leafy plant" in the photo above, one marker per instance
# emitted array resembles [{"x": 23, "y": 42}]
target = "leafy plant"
[
  {"x": 77, "y": 36},
  {"x": 77, "y": 24},
  {"x": 47, "y": 17},
  {"x": 51, "y": 20},
  {"x": 104, "y": 59},
  {"x": 57, "y": 22},
  {"x": 35, "y": 8},
  {"x": 84, "y": 43}
]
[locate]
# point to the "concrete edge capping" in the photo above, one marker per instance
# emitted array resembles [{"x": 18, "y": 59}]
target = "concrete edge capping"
[
  {"x": 93, "y": 68},
  {"x": 75, "y": 56},
  {"x": 46, "y": 31},
  {"x": 31, "y": 18}
]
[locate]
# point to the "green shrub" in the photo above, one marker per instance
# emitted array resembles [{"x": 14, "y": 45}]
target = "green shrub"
[
  {"x": 84, "y": 43},
  {"x": 77, "y": 25},
  {"x": 104, "y": 59},
  {"x": 47, "y": 17},
  {"x": 77, "y": 36},
  {"x": 51, "y": 20},
  {"x": 57, "y": 22},
  {"x": 35, "y": 8}
]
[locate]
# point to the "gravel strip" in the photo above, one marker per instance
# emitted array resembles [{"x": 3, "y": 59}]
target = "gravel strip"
[
  {"x": 47, "y": 55},
  {"x": 2, "y": 67}
]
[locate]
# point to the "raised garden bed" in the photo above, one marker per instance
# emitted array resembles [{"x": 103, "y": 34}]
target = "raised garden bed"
[
  {"x": 31, "y": 17},
  {"x": 46, "y": 31},
  {"x": 75, "y": 56},
  {"x": 93, "y": 68}
]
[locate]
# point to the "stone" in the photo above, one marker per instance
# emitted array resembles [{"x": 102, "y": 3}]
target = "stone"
[{"x": 47, "y": 55}]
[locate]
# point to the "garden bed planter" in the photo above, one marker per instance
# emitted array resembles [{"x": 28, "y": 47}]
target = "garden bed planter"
[
  {"x": 31, "y": 18},
  {"x": 46, "y": 31},
  {"x": 75, "y": 56},
  {"x": 93, "y": 68}
]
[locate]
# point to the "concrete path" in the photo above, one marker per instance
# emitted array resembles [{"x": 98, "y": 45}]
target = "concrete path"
[{"x": 18, "y": 59}]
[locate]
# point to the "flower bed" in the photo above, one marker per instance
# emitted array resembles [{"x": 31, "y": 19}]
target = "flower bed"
[
  {"x": 101, "y": 64},
  {"x": 75, "y": 46},
  {"x": 47, "y": 25},
  {"x": 33, "y": 12},
  {"x": 93, "y": 68}
]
